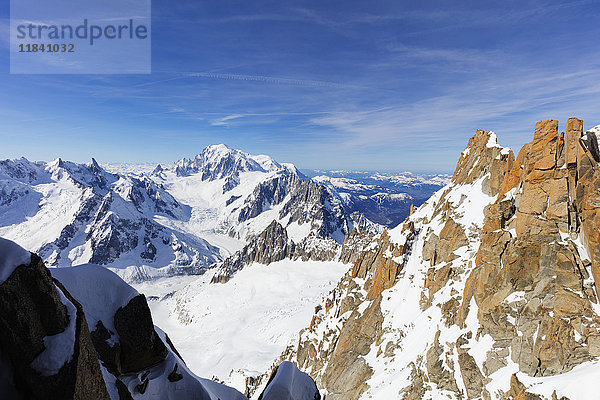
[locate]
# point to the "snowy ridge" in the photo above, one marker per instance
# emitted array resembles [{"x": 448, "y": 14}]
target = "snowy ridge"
[
  {"x": 90, "y": 215},
  {"x": 13, "y": 255},
  {"x": 179, "y": 219},
  {"x": 88, "y": 283}
]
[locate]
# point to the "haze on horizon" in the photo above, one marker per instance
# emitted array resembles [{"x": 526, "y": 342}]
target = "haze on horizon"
[{"x": 389, "y": 86}]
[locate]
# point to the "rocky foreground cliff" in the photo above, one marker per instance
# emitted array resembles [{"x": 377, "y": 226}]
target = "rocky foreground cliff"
[
  {"x": 487, "y": 291},
  {"x": 83, "y": 333}
]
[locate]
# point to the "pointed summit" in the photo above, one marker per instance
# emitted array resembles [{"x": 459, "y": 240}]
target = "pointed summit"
[
  {"x": 157, "y": 170},
  {"x": 95, "y": 167},
  {"x": 483, "y": 155}
]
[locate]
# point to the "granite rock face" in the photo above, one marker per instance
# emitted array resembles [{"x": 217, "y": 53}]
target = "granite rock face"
[
  {"x": 544, "y": 201},
  {"x": 140, "y": 345},
  {"x": 504, "y": 266}
]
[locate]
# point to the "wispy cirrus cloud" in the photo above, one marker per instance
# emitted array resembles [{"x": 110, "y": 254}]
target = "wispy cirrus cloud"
[{"x": 510, "y": 105}]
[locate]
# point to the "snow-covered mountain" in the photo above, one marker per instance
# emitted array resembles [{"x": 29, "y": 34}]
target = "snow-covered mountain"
[
  {"x": 384, "y": 198},
  {"x": 77, "y": 213},
  {"x": 177, "y": 219},
  {"x": 239, "y": 194}
]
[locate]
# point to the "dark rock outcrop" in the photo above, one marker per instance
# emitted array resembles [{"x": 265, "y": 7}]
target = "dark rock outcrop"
[
  {"x": 270, "y": 246},
  {"x": 273, "y": 244},
  {"x": 140, "y": 345},
  {"x": 30, "y": 310}
]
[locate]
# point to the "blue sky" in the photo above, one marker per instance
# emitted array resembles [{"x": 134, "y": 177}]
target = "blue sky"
[{"x": 370, "y": 85}]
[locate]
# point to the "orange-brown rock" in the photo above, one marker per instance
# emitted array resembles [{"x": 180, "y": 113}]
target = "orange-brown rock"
[
  {"x": 482, "y": 156},
  {"x": 436, "y": 371},
  {"x": 452, "y": 237},
  {"x": 514, "y": 173},
  {"x": 533, "y": 258},
  {"x": 544, "y": 128},
  {"x": 573, "y": 132},
  {"x": 348, "y": 372},
  {"x": 587, "y": 204},
  {"x": 518, "y": 391},
  {"x": 336, "y": 358},
  {"x": 437, "y": 278},
  {"x": 381, "y": 262}
]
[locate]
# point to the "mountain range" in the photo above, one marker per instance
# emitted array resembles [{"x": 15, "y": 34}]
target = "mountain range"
[
  {"x": 282, "y": 284},
  {"x": 177, "y": 219}
]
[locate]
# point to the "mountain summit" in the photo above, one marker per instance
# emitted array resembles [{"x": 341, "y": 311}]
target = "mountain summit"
[{"x": 221, "y": 161}]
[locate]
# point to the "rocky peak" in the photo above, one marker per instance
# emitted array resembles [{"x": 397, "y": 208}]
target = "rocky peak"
[
  {"x": 21, "y": 170},
  {"x": 481, "y": 156},
  {"x": 533, "y": 243},
  {"x": 83, "y": 175},
  {"x": 157, "y": 170},
  {"x": 94, "y": 166}
]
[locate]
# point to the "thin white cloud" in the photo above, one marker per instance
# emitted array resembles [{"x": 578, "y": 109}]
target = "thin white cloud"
[
  {"x": 224, "y": 121},
  {"x": 272, "y": 80},
  {"x": 442, "y": 119}
]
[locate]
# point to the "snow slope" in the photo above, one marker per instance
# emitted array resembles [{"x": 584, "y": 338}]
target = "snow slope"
[
  {"x": 99, "y": 291},
  {"x": 245, "y": 323},
  {"x": 13, "y": 255},
  {"x": 289, "y": 383}
]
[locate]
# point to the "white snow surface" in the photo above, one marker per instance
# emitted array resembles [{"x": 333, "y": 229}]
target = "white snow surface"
[
  {"x": 245, "y": 323},
  {"x": 59, "y": 347},
  {"x": 289, "y": 383},
  {"x": 99, "y": 291},
  {"x": 11, "y": 256},
  {"x": 191, "y": 387},
  {"x": 595, "y": 130},
  {"x": 579, "y": 383}
]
